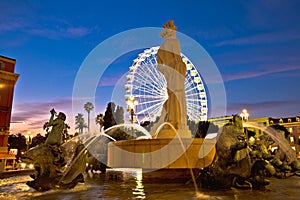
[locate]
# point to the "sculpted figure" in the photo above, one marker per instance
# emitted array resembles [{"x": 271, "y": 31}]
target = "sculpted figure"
[
  {"x": 49, "y": 159},
  {"x": 58, "y": 125},
  {"x": 170, "y": 64},
  {"x": 232, "y": 164}
]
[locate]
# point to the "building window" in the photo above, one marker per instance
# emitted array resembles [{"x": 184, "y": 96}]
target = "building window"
[
  {"x": 289, "y": 120},
  {"x": 297, "y": 119},
  {"x": 2, "y": 65},
  {"x": 290, "y": 129},
  {"x": 271, "y": 122},
  {"x": 298, "y": 129},
  {"x": 280, "y": 121}
]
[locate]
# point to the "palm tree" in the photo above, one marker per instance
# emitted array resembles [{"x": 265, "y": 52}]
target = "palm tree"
[
  {"x": 88, "y": 107},
  {"x": 80, "y": 124},
  {"x": 100, "y": 120}
]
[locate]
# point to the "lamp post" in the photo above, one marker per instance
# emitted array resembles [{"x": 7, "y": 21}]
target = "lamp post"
[
  {"x": 28, "y": 137},
  {"x": 244, "y": 115},
  {"x": 131, "y": 107}
]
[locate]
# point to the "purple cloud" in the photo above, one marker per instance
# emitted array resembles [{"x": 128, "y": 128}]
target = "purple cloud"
[
  {"x": 35, "y": 114},
  {"x": 60, "y": 32},
  {"x": 263, "y": 38},
  {"x": 265, "y": 70}
]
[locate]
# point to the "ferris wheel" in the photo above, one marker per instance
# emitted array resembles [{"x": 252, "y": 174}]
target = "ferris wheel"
[{"x": 146, "y": 88}]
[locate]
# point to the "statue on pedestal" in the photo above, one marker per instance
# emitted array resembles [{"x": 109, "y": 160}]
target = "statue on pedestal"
[
  {"x": 170, "y": 64},
  {"x": 49, "y": 159}
]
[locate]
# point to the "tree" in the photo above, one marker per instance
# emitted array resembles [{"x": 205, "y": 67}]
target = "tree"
[
  {"x": 80, "y": 124},
  {"x": 100, "y": 120},
  {"x": 88, "y": 107},
  {"x": 109, "y": 119},
  {"x": 119, "y": 115},
  {"x": 17, "y": 142},
  {"x": 37, "y": 140},
  {"x": 205, "y": 127}
]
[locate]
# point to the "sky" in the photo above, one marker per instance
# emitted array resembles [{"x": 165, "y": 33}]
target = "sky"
[{"x": 255, "y": 45}]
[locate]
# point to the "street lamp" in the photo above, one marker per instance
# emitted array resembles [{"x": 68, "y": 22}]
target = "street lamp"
[
  {"x": 244, "y": 115},
  {"x": 131, "y": 107},
  {"x": 28, "y": 137}
]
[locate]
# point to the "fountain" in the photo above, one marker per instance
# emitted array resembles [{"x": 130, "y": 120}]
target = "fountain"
[
  {"x": 171, "y": 152},
  {"x": 173, "y": 155}
]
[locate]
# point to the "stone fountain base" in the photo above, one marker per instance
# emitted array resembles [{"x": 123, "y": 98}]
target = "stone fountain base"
[{"x": 162, "y": 158}]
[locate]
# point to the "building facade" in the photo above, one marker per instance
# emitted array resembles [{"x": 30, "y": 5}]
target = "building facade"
[
  {"x": 292, "y": 124},
  {"x": 8, "y": 80}
]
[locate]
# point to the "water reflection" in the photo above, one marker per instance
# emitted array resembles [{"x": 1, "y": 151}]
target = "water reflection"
[
  {"x": 139, "y": 188},
  {"x": 129, "y": 184}
]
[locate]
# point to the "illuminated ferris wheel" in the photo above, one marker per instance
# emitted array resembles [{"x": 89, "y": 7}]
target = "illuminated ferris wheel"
[{"x": 148, "y": 88}]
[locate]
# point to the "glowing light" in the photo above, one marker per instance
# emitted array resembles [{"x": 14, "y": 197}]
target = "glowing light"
[
  {"x": 22, "y": 165},
  {"x": 244, "y": 115}
]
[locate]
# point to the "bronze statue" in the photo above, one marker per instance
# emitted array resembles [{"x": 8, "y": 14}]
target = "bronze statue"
[{"x": 49, "y": 159}]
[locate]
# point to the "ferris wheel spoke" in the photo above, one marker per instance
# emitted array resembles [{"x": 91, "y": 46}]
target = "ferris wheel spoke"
[
  {"x": 151, "y": 107},
  {"x": 150, "y": 102},
  {"x": 150, "y": 75},
  {"x": 146, "y": 88},
  {"x": 151, "y": 90},
  {"x": 141, "y": 96},
  {"x": 148, "y": 85},
  {"x": 146, "y": 81}
]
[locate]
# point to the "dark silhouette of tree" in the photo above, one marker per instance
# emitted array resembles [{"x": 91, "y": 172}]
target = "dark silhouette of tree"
[
  {"x": 205, "y": 127},
  {"x": 80, "y": 124},
  {"x": 17, "y": 142},
  {"x": 100, "y": 120},
  {"x": 193, "y": 126},
  {"x": 37, "y": 140},
  {"x": 119, "y": 115},
  {"x": 66, "y": 135},
  {"x": 88, "y": 107},
  {"x": 109, "y": 119}
]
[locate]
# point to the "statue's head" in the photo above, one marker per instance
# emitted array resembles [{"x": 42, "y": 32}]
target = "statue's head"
[
  {"x": 61, "y": 116},
  {"x": 237, "y": 121},
  {"x": 169, "y": 29}
]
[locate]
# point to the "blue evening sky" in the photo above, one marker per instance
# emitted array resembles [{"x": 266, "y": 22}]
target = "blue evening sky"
[{"x": 255, "y": 44}]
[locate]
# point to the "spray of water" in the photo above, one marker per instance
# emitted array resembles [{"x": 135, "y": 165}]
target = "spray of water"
[
  {"x": 276, "y": 136},
  {"x": 90, "y": 139},
  {"x": 183, "y": 149}
]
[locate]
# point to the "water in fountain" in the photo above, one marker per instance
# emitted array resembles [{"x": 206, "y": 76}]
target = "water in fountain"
[
  {"x": 92, "y": 143},
  {"x": 184, "y": 149}
]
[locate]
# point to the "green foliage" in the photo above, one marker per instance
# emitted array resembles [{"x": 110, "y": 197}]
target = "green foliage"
[
  {"x": 37, "y": 140},
  {"x": 79, "y": 122},
  {"x": 109, "y": 119},
  {"x": 17, "y": 142},
  {"x": 88, "y": 107},
  {"x": 119, "y": 134},
  {"x": 119, "y": 115}
]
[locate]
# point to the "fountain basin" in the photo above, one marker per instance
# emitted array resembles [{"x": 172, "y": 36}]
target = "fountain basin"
[{"x": 162, "y": 156}]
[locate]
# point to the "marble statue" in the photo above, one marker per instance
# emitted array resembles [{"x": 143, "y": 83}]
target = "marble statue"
[
  {"x": 170, "y": 64},
  {"x": 49, "y": 159}
]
